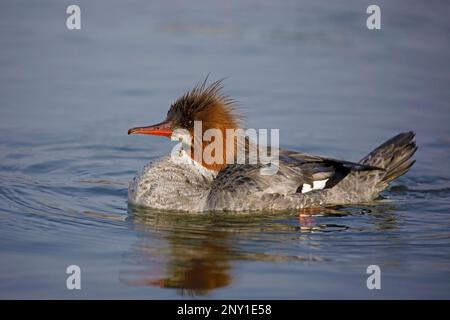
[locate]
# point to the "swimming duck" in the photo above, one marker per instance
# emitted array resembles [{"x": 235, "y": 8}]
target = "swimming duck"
[{"x": 185, "y": 182}]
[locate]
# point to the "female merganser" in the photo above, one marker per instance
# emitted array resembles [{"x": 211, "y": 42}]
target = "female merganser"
[{"x": 186, "y": 183}]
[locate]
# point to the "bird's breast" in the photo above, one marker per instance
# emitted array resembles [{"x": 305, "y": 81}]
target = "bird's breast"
[{"x": 172, "y": 183}]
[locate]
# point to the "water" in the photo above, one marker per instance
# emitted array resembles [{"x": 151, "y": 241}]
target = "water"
[{"x": 311, "y": 69}]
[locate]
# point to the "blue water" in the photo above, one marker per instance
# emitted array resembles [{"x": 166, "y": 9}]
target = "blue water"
[{"x": 311, "y": 69}]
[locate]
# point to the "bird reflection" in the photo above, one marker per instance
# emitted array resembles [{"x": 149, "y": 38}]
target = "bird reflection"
[
  {"x": 195, "y": 253},
  {"x": 195, "y": 258}
]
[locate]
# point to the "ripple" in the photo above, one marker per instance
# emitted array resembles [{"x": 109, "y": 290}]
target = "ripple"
[
  {"x": 81, "y": 192},
  {"x": 404, "y": 189},
  {"x": 48, "y": 206}
]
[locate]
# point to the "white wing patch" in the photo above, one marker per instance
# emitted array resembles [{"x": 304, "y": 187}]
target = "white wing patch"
[
  {"x": 306, "y": 188},
  {"x": 317, "y": 185}
]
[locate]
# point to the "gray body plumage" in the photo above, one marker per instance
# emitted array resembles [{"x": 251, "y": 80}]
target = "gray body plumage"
[{"x": 187, "y": 186}]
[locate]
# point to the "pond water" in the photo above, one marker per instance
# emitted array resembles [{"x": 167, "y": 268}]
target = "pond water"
[{"x": 313, "y": 70}]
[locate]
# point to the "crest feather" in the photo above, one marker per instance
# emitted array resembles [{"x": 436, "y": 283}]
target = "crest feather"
[{"x": 209, "y": 104}]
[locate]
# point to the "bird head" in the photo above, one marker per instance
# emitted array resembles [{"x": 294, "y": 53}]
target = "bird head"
[{"x": 205, "y": 104}]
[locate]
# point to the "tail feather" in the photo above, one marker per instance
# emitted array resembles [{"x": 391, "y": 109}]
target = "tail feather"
[{"x": 394, "y": 156}]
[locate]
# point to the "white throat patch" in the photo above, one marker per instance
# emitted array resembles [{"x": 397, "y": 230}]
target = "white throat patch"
[{"x": 180, "y": 156}]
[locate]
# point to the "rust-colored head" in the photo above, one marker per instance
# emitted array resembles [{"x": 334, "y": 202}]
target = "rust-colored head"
[{"x": 203, "y": 103}]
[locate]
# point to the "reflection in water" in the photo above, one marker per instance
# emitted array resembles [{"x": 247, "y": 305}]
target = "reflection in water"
[
  {"x": 195, "y": 253},
  {"x": 189, "y": 253}
]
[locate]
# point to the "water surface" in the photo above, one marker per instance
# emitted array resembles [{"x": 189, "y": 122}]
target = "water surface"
[{"x": 311, "y": 69}]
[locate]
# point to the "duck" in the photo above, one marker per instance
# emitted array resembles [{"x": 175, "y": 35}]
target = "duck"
[{"x": 187, "y": 180}]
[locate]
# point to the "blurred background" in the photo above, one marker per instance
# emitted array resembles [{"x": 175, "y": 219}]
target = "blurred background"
[{"x": 310, "y": 68}]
